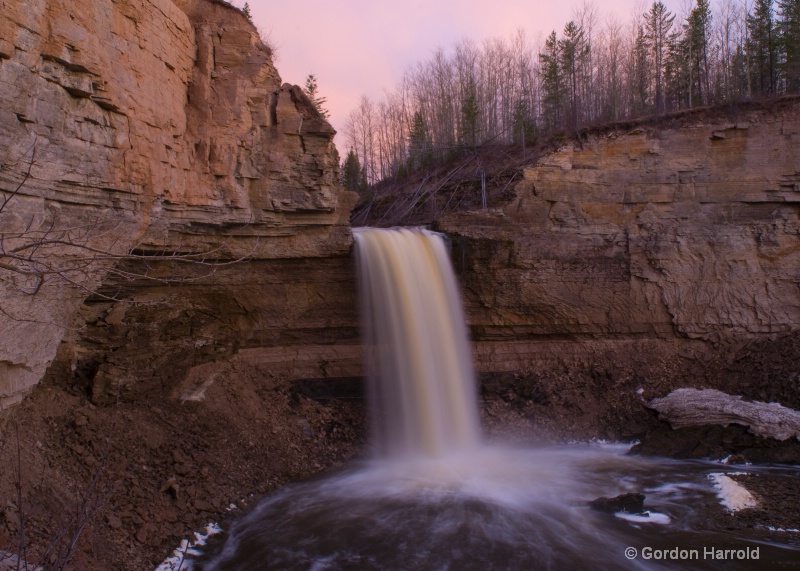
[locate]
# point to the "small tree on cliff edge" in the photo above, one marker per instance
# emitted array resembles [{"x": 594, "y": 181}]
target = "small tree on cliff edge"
[
  {"x": 312, "y": 91},
  {"x": 246, "y": 11},
  {"x": 352, "y": 174}
]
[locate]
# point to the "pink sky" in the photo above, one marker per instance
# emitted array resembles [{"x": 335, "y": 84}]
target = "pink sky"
[{"x": 363, "y": 47}]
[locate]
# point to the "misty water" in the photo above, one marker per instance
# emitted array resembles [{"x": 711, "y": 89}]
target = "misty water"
[{"x": 436, "y": 497}]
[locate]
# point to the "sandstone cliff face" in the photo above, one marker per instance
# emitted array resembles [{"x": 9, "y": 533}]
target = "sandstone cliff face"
[
  {"x": 640, "y": 243},
  {"x": 167, "y": 130},
  {"x": 158, "y": 126},
  {"x": 641, "y": 257}
]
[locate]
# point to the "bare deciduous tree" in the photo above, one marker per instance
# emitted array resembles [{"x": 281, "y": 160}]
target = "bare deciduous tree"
[{"x": 595, "y": 71}]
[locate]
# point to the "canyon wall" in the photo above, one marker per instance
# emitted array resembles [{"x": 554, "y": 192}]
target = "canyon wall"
[
  {"x": 175, "y": 256},
  {"x": 136, "y": 132},
  {"x": 660, "y": 245},
  {"x": 640, "y": 257},
  {"x": 181, "y": 214}
]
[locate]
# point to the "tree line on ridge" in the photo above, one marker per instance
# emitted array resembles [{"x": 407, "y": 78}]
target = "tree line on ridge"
[{"x": 506, "y": 92}]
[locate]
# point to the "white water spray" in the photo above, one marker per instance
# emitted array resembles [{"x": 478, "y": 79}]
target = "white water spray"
[{"x": 422, "y": 383}]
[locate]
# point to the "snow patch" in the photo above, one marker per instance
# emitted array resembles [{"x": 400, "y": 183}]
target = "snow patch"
[
  {"x": 178, "y": 560},
  {"x": 732, "y": 494},
  {"x": 11, "y": 562},
  {"x": 789, "y": 530}
]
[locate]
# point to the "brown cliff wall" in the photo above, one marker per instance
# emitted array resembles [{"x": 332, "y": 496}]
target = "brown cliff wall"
[
  {"x": 654, "y": 247},
  {"x": 644, "y": 253},
  {"x": 157, "y": 125},
  {"x": 624, "y": 260}
]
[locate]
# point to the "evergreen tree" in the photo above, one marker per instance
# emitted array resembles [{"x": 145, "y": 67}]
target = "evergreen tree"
[
  {"x": 571, "y": 50},
  {"x": 524, "y": 125},
  {"x": 676, "y": 73},
  {"x": 739, "y": 72},
  {"x": 419, "y": 146},
  {"x": 246, "y": 11},
  {"x": 762, "y": 46},
  {"x": 352, "y": 175},
  {"x": 469, "y": 114},
  {"x": 789, "y": 27},
  {"x": 696, "y": 35},
  {"x": 312, "y": 91},
  {"x": 640, "y": 78},
  {"x": 658, "y": 23},
  {"x": 552, "y": 84}
]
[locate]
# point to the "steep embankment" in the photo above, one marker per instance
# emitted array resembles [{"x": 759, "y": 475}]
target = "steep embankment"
[{"x": 649, "y": 257}]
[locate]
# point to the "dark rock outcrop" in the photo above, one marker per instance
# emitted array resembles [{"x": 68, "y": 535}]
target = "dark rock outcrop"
[{"x": 628, "y": 503}]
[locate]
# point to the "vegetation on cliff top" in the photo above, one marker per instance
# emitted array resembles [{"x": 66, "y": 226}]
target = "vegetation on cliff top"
[{"x": 507, "y": 92}]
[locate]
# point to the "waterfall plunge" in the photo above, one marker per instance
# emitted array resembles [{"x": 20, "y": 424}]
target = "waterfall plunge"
[
  {"x": 422, "y": 384},
  {"x": 436, "y": 498}
]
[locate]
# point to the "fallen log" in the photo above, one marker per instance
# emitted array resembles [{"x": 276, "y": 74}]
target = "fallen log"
[{"x": 693, "y": 407}]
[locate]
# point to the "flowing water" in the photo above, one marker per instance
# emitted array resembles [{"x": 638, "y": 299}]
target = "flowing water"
[
  {"x": 436, "y": 498},
  {"x": 422, "y": 385}
]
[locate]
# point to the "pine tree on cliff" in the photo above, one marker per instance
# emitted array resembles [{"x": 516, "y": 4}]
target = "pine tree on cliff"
[
  {"x": 553, "y": 87},
  {"x": 469, "y": 114},
  {"x": 419, "y": 145},
  {"x": 658, "y": 23},
  {"x": 352, "y": 174},
  {"x": 762, "y": 46},
  {"x": 640, "y": 77},
  {"x": 697, "y": 31},
  {"x": 524, "y": 125},
  {"x": 789, "y": 28},
  {"x": 246, "y": 11},
  {"x": 312, "y": 90},
  {"x": 572, "y": 48}
]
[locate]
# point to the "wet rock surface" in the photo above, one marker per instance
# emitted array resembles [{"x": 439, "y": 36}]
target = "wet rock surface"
[
  {"x": 717, "y": 443},
  {"x": 628, "y": 503}
]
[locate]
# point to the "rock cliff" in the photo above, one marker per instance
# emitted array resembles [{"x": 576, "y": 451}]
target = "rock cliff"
[
  {"x": 645, "y": 252},
  {"x": 159, "y": 128},
  {"x": 646, "y": 257}
]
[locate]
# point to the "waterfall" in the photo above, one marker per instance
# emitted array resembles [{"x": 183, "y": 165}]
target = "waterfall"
[
  {"x": 421, "y": 380},
  {"x": 436, "y": 497}
]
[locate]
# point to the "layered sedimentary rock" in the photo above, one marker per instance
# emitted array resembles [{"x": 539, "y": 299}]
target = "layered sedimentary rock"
[
  {"x": 647, "y": 257},
  {"x": 159, "y": 128},
  {"x": 640, "y": 257},
  {"x": 294, "y": 317},
  {"x": 632, "y": 254}
]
